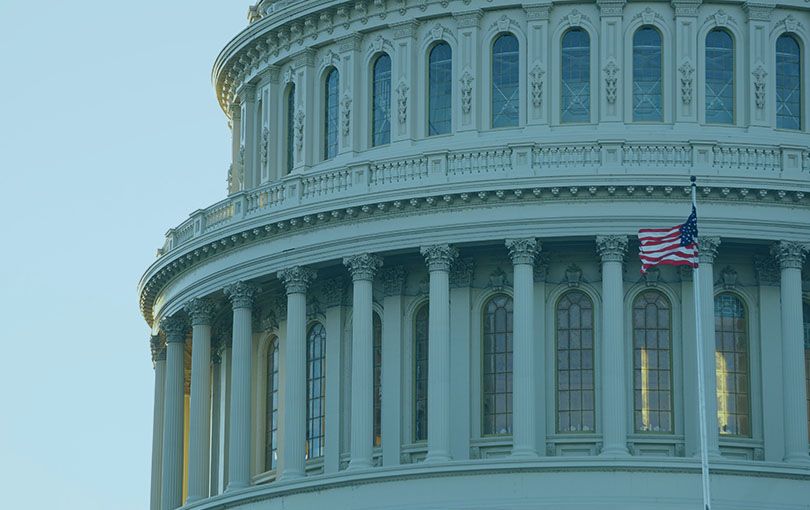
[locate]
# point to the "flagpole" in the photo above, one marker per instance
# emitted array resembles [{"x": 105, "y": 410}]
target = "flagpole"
[{"x": 704, "y": 454}]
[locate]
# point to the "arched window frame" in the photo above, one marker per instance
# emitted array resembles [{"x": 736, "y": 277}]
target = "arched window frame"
[
  {"x": 419, "y": 431},
  {"x": 289, "y": 128},
  {"x": 427, "y": 98},
  {"x": 518, "y": 93},
  {"x": 630, "y": 75},
  {"x": 749, "y": 365},
  {"x": 705, "y": 67},
  {"x": 315, "y": 379},
  {"x": 508, "y": 369},
  {"x": 559, "y": 65},
  {"x": 802, "y": 106},
  {"x": 385, "y": 138},
  {"x": 330, "y": 134}
]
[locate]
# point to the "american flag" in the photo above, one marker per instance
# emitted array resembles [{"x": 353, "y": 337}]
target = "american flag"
[{"x": 676, "y": 246}]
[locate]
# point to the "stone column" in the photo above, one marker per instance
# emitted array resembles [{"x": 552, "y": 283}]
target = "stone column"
[
  {"x": 362, "y": 268},
  {"x": 159, "y": 361},
  {"x": 614, "y": 395},
  {"x": 393, "y": 279},
  {"x": 296, "y": 280},
  {"x": 790, "y": 255},
  {"x": 171, "y": 487},
  {"x": 242, "y": 295},
  {"x": 707, "y": 251},
  {"x": 201, "y": 312},
  {"x": 216, "y": 419},
  {"x": 438, "y": 259},
  {"x": 247, "y": 95},
  {"x": 522, "y": 252},
  {"x": 235, "y": 178}
]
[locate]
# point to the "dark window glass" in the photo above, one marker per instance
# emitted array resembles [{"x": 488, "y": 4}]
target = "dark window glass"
[
  {"x": 719, "y": 78},
  {"x": 652, "y": 363},
  {"x": 575, "y": 385},
  {"x": 290, "y": 155},
  {"x": 440, "y": 89},
  {"x": 647, "y": 71},
  {"x": 497, "y": 369},
  {"x": 731, "y": 362},
  {"x": 505, "y": 79},
  {"x": 271, "y": 407},
  {"x": 575, "y": 92},
  {"x": 788, "y": 83},
  {"x": 806, "y": 307},
  {"x": 420, "y": 376},
  {"x": 381, "y": 99},
  {"x": 377, "y": 340},
  {"x": 316, "y": 389},
  {"x": 330, "y": 115}
]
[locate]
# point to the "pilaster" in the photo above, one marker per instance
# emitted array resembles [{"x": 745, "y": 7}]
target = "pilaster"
[
  {"x": 351, "y": 98},
  {"x": 686, "y": 12},
  {"x": 305, "y": 137},
  {"x": 537, "y": 58},
  {"x": 468, "y": 61},
  {"x": 611, "y": 60},
  {"x": 393, "y": 279},
  {"x": 235, "y": 179},
  {"x": 404, "y": 84},
  {"x": 249, "y": 143},
  {"x": 756, "y": 86}
]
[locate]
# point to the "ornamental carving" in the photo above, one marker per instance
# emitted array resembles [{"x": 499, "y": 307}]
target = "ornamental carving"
[
  {"x": 721, "y": 18},
  {"x": 279, "y": 304},
  {"x": 537, "y": 85},
  {"x": 393, "y": 279},
  {"x": 379, "y": 43},
  {"x": 648, "y": 16},
  {"x": 241, "y": 294},
  {"x": 174, "y": 328},
  {"x": 436, "y": 33},
  {"x": 790, "y": 23},
  {"x": 269, "y": 322},
  {"x": 767, "y": 270},
  {"x": 466, "y": 91},
  {"x": 759, "y": 74},
  {"x": 541, "y": 264},
  {"x": 611, "y": 77},
  {"x": 241, "y": 161},
  {"x": 362, "y": 11},
  {"x": 522, "y": 251},
  {"x": 296, "y": 279},
  {"x": 687, "y": 70},
  {"x": 652, "y": 276},
  {"x": 461, "y": 272},
  {"x": 158, "y": 348},
  {"x": 288, "y": 76},
  {"x": 402, "y": 101},
  {"x": 334, "y": 290},
  {"x": 498, "y": 279},
  {"x": 789, "y": 254},
  {"x": 313, "y": 307},
  {"x": 611, "y": 247},
  {"x": 707, "y": 249},
  {"x": 363, "y": 267},
  {"x": 265, "y": 144},
  {"x": 439, "y": 257},
  {"x": 503, "y": 23},
  {"x": 330, "y": 59},
  {"x": 201, "y": 311},
  {"x": 574, "y": 19},
  {"x": 728, "y": 276},
  {"x": 298, "y": 127},
  {"x": 573, "y": 275},
  {"x": 345, "y": 113}
]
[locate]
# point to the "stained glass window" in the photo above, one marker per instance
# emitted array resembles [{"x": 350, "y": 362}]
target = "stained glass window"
[
  {"x": 719, "y": 77},
  {"x": 575, "y": 89},
  {"x": 330, "y": 115},
  {"x": 647, "y": 71},
  {"x": 420, "y": 374},
  {"x": 731, "y": 358},
  {"x": 377, "y": 341},
  {"x": 575, "y": 384},
  {"x": 271, "y": 407},
  {"x": 497, "y": 366},
  {"x": 788, "y": 83},
  {"x": 381, "y": 102},
  {"x": 316, "y": 389},
  {"x": 440, "y": 89},
  {"x": 290, "y": 155},
  {"x": 505, "y": 79},
  {"x": 652, "y": 363}
]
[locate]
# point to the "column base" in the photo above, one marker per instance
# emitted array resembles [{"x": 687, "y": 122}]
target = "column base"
[
  {"x": 438, "y": 456},
  {"x": 524, "y": 452},
  {"x": 798, "y": 459},
  {"x": 235, "y": 486},
  {"x": 291, "y": 475},
  {"x": 359, "y": 465},
  {"x": 615, "y": 451}
]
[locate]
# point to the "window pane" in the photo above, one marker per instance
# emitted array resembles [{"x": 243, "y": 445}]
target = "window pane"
[
  {"x": 420, "y": 373},
  {"x": 575, "y": 93},
  {"x": 788, "y": 83},
  {"x": 271, "y": 407},
  {"x": 505, "y": 79},
  {"x": 647, "y": 71},
  {"x": 381, "y": 99},
  {"x": 290, "y": 128},
  {"x": 440, "y": 87},
  {"x": 330, "y": 117},
  {"x": 732, "y": 377},
  {"x": 316, "y": 389},
  {"x": 575, "y": 403},
  {"x": 377, "y": 346},
  {"x": 497, "y": 374},
  {"x": 719, "y": 78},
  {"x": 652, "y": 372}
]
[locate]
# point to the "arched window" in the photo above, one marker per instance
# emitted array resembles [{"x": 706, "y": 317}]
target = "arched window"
[
  {"x": 440, "y": 89},
  {"x": 420, "y": 374},
  {"x": 719, "y": 77},
  {"x": 330, "y": 115},
  {"x": 290, "y": 145},
  {"x": 271, "y": 407},
  {"x": 652, "y": 363},
  {"x": 575, "y": 399},
  {"x": 497, "y": 369},
  {"x": 381, "y": 102},
  {"x": 377, "y": 346},
  {"x": 575, "y": 72},
  {"x": 316, "y": 389},
  {"x": 647, "y": 71},
  {"x": 788, "y": 83},
  {"x": 505, "y": 79},
  {"x": 806, "y": 311},
  {"x": 731, "y": 352}
]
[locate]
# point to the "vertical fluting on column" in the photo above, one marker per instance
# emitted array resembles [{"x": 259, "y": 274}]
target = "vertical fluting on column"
[
  {"x": 362, "y": 267},
  {"x": 216, "y": 420},
  {"x": 707, "y": 251},
  {"x": 201, "y": 312},
  {"x": 614, "y": 401},
  {"x": 159, "y": 360},
  {"x": 790, "y": 255},
  {"x": 522, "y": 252},
  {"x": 438, "y": 259},
  {"x": 296, "y": 280},
  {"x": 242, "y": 295},
  {"x": 171, "y": 487}
]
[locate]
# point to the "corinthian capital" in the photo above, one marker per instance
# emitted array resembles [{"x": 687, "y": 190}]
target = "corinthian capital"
[
  {"x": 175, "y": 328},
  {"x": 241, "y": 294},
  {"x": 363, "y": 267},
  {"x": 523, "y": 251},
  {"x": 296, "y": 279},
  {"x": 789, "y": 254},
  {"x": 201, "y": 311},
  {"x": 439, "y": 256},
  {"x": 611, "y": 248},
  {"x": 158, "y": 348},
  {"x": 707, "y": 249}
]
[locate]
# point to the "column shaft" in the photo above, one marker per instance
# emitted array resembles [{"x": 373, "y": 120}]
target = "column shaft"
[
  {"x": 157, "y": 430},
  {"x": 239, "y": 440},
  {"x": 439, "y": 368},
  {"x": 199, "y": 427},
  {"x": 523, "y": 401},
  {"x": 171, "y": 491},
  {"x": 295, "y": 387},
  {"x": 362, "y": 377},
  {"x": 216, "y": 426},
  {"x": 707, "y": 249}
]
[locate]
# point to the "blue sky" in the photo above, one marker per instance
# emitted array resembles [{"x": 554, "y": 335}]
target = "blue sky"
[{"x": 110, "y": 135}]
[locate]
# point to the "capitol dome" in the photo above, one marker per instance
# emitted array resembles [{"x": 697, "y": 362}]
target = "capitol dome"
[{"x": 422, "y": 291}]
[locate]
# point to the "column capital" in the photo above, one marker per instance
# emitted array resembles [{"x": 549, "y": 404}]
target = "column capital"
[
  {"x": 158, "y": 348},
  {"x": 201, "y": 311},
  {"x": 242, "y": 294},
  {"x": 363, "y": 266},
  {"x": 611, "y": 247},
  {"x": 789, "y": 254},
  {"x": 610, "y": 7},
  {"x": 236, "y": 110},
  {"x": 439, "y": 256},
  {"x": 523, "y": 251},
  {"x": 175, "y": 328},
  {"x": 758, "y": 11},
  {"x": 537, "y": 11},
  {"x": 296, "y": 279},
  {"x": 707, "y": 249},
  {"x": 686, "y": 7}
]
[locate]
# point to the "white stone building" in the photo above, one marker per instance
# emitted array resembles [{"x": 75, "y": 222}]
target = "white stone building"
[{"x": 422, "y": 289}]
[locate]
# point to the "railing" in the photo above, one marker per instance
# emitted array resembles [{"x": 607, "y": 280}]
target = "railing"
[{"x": 514, "y": 161}]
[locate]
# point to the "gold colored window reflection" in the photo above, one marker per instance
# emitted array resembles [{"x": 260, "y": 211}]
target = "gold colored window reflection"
[
  {"x": 731, "y": 357},
  {"x": 652, "y": 363}
]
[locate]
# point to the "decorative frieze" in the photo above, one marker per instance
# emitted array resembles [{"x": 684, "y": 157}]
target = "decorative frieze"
[
  {"x": 393, "y": 279},
  {"x": 468, "y": 19},
  {"x": 611, "y": 248},
  {"x": 363, "y": 267},
  {"x": 201, "y": 311},
  {"x": 296, "y": 279},
  {"x": 439, "y": 257},
  {"x": 686, "y": 7},
  {"x": 241, "y": 294},
  {"x": 537, "y": 12},
  {"x": 611, "y": 8},
  {"x": 758, "y": 11},
  {"x": 687, "y": 70}
]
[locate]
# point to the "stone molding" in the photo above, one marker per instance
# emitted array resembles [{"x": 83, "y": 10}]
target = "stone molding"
[
  {"x": 175, "y": 328},
  {"x": 707, "y": 249},
  {"x": 439, "y": 257},
  {"x": 523, "y": 251},
  {"x": 296, "y": 279},
  {"x": 789, "y": 254},
  {"x": 767, "y": 270},
  {"x": 363, "y": 267},
  {"x": 201, "y": 311},
  {"x": 393, "y": 279},
  {"x": 611, "y": 248},
  {"x": 334, "y": 291},
  {"x": 241, "y": 294},
  {"x": 158, "y": 348},
  {"x": 461, "y": 272}
]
